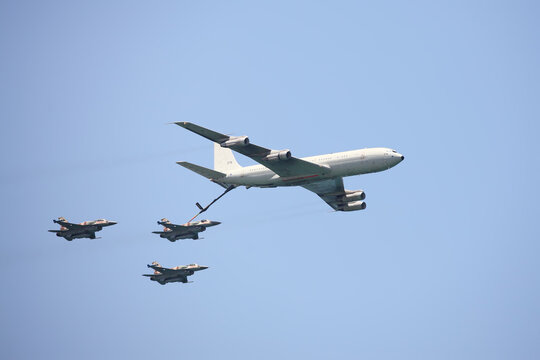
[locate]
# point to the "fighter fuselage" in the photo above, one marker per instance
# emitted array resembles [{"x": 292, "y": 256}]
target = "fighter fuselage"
[
  {"x": 86, "y": 229},
  {"x": 190, "y": 230}
]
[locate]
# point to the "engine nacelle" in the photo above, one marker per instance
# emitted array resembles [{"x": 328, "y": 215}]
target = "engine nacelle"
[
  {"x": 354, "y": 195},
  {"x": 354, "y": 205},
  {"x": 235, "y": 141},
  {"x": 279, "y": 155}
]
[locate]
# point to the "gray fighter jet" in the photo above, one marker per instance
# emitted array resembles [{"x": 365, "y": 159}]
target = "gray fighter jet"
[
  {"x": 86, "y": 229},
  {"x": 173, "y": 232},
  {"x": 176, "y": 274}
]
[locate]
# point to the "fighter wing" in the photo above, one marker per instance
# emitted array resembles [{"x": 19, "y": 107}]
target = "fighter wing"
[
  {"x": 288, "y": 166},
  {"x": 69, "y": 225},
  {"x": 163, "y": 271},
  {"x": 170, "y": 226},
  {"x": 177, "y": 229}
]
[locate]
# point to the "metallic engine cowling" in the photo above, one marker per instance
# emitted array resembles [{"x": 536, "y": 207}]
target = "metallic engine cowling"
[
  {"x": 235, "y": 141},
  {"x": 279, "y": 155},
  {"x": 354, "y": 195},
  {"x": 353, "y": 206}
]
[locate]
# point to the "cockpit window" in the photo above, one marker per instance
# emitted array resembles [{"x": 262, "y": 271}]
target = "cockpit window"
[{"x": 394, "y": 151}]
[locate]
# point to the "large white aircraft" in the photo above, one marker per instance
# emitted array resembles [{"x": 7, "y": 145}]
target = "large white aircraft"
[{"x": 322, "y": 174}]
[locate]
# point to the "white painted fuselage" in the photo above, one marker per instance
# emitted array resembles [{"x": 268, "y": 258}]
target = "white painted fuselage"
[{"x": 342, "y": 164}]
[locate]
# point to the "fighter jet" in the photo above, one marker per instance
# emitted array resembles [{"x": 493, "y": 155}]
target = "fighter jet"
[
  {"x": 176, "y": 274},
  {"x": 86, "y": 229},
  {"x": 188, "y": 230},
  {"x": 321, "y": 174}
]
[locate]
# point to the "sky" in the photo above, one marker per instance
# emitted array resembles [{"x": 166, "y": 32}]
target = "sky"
[{"x": 443, "y": 263}]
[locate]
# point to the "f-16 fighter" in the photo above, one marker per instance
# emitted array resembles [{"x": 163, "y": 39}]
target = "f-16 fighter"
[
  {"x": 86, "y": 229},
  {"x": 321, "y": 174},
  {"x": 190, "y": 230},
  {"x": 176, "y": 274}
]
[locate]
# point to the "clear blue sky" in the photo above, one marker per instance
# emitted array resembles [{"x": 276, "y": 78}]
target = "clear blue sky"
[{"x": 443, "y": 263}]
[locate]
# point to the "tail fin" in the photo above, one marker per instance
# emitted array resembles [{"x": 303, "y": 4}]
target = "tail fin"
[
  {"x": 224, "y": 160},
  {"x": 155, "y": 263}
]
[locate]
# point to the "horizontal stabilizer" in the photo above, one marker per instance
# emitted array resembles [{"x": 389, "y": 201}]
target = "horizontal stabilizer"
[{"x": 207, "y": 173}]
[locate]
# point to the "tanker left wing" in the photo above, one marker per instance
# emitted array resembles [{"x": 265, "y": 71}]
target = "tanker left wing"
[{"x": 279, "y": 161}]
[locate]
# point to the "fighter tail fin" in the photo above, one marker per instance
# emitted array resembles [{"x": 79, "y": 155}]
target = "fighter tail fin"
[
  {"x": 155, "y": 263},
  {"x": 224, "y": 160}
]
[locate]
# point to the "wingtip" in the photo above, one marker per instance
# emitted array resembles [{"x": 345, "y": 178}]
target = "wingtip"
[{"x": 181, "y": 123}]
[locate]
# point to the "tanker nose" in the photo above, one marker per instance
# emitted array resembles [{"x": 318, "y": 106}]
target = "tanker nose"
[{"x": 402, "y": 157}]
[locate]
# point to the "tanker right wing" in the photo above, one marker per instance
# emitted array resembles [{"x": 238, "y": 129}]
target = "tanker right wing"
[{"x": 334, "y": 194}]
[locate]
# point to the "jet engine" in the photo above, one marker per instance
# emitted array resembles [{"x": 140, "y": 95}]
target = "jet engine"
[
  {"x": 354, "y": 205},
  {"x": 235, "y": 141},
  {"x": 354, "y": 195},
  {"x": 279, "y": 155}
]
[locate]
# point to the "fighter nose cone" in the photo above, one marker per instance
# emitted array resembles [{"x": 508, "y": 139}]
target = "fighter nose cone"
[
  {"x": 203, "y": 267},
  {"x": 112, "y": 222},
  {"x": 213, "y": 223}
]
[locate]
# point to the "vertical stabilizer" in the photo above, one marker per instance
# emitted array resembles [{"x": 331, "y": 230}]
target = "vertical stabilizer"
[{"x": 224, "y": 160}]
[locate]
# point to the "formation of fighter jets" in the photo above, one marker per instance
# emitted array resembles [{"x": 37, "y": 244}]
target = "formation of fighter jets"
[{"x": 320, "y": 174}]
